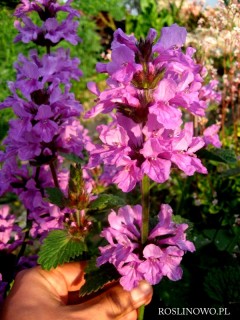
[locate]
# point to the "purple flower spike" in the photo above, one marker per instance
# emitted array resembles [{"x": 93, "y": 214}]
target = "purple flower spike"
[
  {"x": 150, "y": 86},
  {"x": 159, "y": 256},
  {"x": 46, "y": 123}
]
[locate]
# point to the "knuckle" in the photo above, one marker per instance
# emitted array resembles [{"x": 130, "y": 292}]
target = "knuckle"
[{"x": 117, "y": 306}]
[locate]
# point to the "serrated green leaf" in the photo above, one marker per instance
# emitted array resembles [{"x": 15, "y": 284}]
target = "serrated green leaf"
[
  {"x": 96, "y": 280},
  {"x": 220, "y": 155},
  {"x": 59, "y": 247},
  {"x": 106, "y": 201},
  {"x": 91, "y": 265},
  {"x": 56, "y": 196}
]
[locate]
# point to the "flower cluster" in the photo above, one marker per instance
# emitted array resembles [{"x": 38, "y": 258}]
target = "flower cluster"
[
  {"x": 51, "y": 32},
  {"x": 46, "y": 123},
  {"x": 46, "y": 120},
  {"x": 159, "y": 256},
  {"x": 148, "y": 83}
]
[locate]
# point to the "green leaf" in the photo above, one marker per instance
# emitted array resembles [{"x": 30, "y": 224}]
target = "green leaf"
[
  {"x": 223, "y": 238},
  {"x": 200, "y": 240},
  {"x": 59, "y": 247},
  {"x": 114, "y": 8},
  {"x": 96, "y": 280},
  {"x": 56, "y": 196},
  {"x": 106, "y": 201},
  {"x": 220, "y": 155},
  {"x": 179, "y": 219},
  {"x": 222, "y": 284},
  {"x": 230, "y": 173},
  {"x": 91, "y": 265},
  {"x": 71, "y": 157}
]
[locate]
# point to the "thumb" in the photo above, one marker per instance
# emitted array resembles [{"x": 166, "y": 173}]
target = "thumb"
[{"x": 114, "y": 303}]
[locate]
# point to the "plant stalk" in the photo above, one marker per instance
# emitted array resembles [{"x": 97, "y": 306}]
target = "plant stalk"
[
  {"x": 145, "y": 188},
  {"x": 54, "y": 174},
  {"x": 141, "y": 312}
]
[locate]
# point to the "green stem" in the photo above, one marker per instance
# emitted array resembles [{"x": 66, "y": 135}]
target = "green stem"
[
  {"x": 78, "y": 220},
  {"x": 48, "y": 49},
  {"x": 141, "y": 312},
  {"x": 145, "y": 186}
]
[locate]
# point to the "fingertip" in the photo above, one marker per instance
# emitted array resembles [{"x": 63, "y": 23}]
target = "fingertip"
[
  {"x": 73, "y": 274},
  {"x": 142, "y": 294}
]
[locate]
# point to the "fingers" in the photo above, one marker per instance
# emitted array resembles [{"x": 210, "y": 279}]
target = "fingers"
[
  {"x": 46, "y": 294},
  {"x": 71, "y": 274},
  {"x": 115, "y": 303}
]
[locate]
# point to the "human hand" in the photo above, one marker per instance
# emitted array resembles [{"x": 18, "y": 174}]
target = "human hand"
[{"x": 48, "y": 295}]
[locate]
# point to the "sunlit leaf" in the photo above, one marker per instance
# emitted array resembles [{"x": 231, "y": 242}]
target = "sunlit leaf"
[{"x": 59, "y": 247}]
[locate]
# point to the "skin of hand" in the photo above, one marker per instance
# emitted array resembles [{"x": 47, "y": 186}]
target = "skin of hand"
[{"x": 49, "y": 295}]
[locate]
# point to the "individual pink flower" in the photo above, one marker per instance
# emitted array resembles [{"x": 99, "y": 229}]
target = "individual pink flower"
[{"x": 210, "y": 136}]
